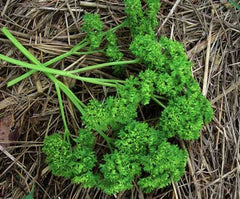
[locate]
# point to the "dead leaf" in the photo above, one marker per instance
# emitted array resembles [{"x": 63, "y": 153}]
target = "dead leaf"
[
  {"x": 7, "y": 131},
  {"x": 7, "y": 102}
]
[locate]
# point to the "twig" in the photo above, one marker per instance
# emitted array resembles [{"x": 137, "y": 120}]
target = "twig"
[
  {"x": 97, "y": 5},
  {"x": 5, "y": 8},
  {"x": 60, "y": 9},
  {"x": 205, "y": 78},
  {"x": 22, "y": 167},
  {"x": 230, "y": 89},
  {"x": 221, "y": 177},
  {"x": 169, "y": 15},
  {"x": 71, "y": 12}
]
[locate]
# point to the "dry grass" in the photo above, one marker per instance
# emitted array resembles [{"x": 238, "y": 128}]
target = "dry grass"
[{"x": 210, "y": 31}]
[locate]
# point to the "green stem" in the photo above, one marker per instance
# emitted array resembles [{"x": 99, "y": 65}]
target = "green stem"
[
  {"x": 158, "y": 102},
  {"x": 88, "y": 52},
  {"x": 77, "y": 47},
  {"x": 20, "y": 78},
  {"x": 61, "y": 107},
  {"x": 5, "y": 31},
  {"x": 97, "y": 66},
  {"x": 160, "y": 97},
  {"x": 74, "y": 50},
  {"x": 58, "y": 58},
  {"x": 104, "y": 82},
  {"x": 74, "y": 99},
  {"x": 19, "y": 45},
  {"x": 66, "y": 90},
  {"x": 108, "y": 140},
  {"x": 235, "y": 4},
  {"x": 122, "y": 25}
]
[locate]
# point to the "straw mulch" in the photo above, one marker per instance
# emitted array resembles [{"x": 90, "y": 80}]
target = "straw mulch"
[{"x": 210, "y": 32}]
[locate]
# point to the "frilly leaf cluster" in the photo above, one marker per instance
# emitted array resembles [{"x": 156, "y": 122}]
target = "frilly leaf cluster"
[
  {"x": 137, "y": 152},
  {"x": 75, "y": 163},
  {"x": 93, "y": 26}
]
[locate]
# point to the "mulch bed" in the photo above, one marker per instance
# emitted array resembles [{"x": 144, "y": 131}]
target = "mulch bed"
[{"x": 210, "y": 32}]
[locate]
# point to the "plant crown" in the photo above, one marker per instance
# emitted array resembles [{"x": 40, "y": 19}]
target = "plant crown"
[{"x": 136, "y": 150}]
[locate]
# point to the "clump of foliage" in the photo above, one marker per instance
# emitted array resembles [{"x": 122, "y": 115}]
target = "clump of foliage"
[
  {"x": 136, "y": 151},
  {"x": 72, "y": 163},
  {"x": 93, "y": 27},
  {"x": 114, "y": 53}
]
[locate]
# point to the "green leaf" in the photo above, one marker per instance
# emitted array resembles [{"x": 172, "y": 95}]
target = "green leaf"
[
  {"x": 31, "y": 194},
  {"x": 93, "y": 26}
]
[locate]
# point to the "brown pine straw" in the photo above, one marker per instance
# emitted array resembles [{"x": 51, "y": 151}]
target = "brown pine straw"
[{"x": 210, "y": 33}]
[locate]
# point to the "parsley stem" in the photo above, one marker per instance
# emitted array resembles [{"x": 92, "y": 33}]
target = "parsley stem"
[
  {"x": 61, "y": 107},
  {"x": 122, "y": 25},
  {"x": 103, "y": 82},
  {"x": 77, "y": 47},
  {"x": 97, "y": 66},
  {"x": 68, "y": 73},
  {"x": 20, "y": 78},
  {"x": 78, "y": 103},
  {"x": 58, "y": 58},
  {"x": 106, "y": 138},
  {"x": 74, "y": 50},
  {"x": 234, "y": 4},
  {"x": 6, "y": 32},
  {"x": 88, "y": 52},
  {"x": 160, "y": 97},
  {"x": 65, "y": 89},
  {"x": 158, "y": 102}
]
